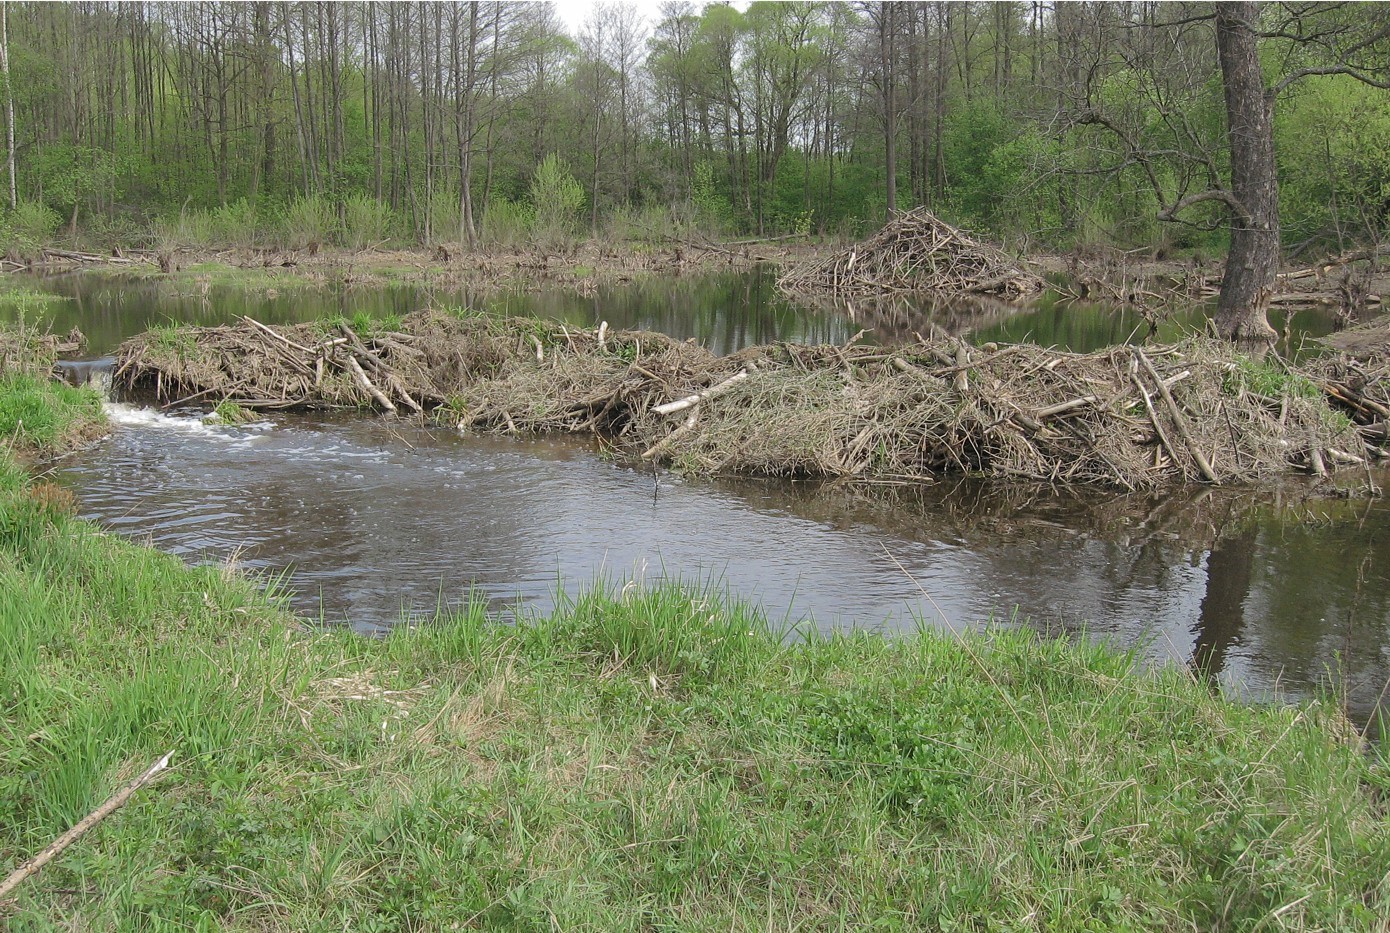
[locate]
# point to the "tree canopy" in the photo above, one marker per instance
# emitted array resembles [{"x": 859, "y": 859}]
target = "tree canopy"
[{"x": 1045, "y": 124}]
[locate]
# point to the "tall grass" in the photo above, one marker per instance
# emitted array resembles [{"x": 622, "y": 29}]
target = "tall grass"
[
  {"x": 367, "y": 222},
  {"x": 308, "y": 222}
]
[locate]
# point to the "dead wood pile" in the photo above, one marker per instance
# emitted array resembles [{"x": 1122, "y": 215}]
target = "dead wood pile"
[
  {"x": 915, "y": 251},
  {"x": 1125, "y": 417},
  {"x": 29, "y": 351}
]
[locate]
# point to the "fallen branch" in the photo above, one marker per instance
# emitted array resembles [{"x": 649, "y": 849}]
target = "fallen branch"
[
  {"x": 1202, "y": 463},
  {"x": 55, "y": 848},
  {"x": 686, "y": 427},
  {"x": 670, "y": 408},
  {"x": 356, "y": 369}
]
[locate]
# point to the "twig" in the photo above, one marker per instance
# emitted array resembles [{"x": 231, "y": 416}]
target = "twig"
[
  {"x": 1203, "y": 464},
  {"x": 55, "y": 848},
  {"x": 686, "y": 427},
  {"x": 670, "y": 408}
]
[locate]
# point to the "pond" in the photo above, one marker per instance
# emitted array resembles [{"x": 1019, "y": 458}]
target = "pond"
[{"x": 369, "y": 522}]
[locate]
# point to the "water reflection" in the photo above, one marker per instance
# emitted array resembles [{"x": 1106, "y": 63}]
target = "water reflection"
[
  {"x": 725, "y": 312},
  {"x": 381, "y": 521}
]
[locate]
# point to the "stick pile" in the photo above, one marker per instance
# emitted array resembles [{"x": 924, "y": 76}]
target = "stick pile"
[
  {"x": 1125, "y": 417},
  {"x": 915, "y": 251}
]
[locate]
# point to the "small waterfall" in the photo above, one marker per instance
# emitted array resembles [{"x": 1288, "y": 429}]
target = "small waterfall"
[{"x": 95, "y": 373}]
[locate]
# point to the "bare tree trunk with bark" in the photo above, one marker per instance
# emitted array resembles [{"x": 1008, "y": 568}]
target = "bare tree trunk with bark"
[
  {"x": 9, "y": 101},
  {"x": 1254, "y": 257}
]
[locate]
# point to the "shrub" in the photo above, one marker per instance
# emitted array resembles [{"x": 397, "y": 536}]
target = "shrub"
[
  {"x": 507, "y": 222},
  {"x": 307, "y": 223},
  {"x": 557, "y": 198},
  {"x": 367, "y": 222},
  {"x": 235, "y": 224},
  {"x": 28, "y": 228}
]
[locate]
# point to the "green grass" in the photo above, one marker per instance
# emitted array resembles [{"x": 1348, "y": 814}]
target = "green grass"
[
  {"x": 230, "y": 413},
  {"x": 1270, "y": 378},
  {"x": 39, "y": 414},
  {"x": 644, "y": 759}
]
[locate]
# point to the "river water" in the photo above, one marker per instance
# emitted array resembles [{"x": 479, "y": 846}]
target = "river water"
[{"x": 368, "y": 522}]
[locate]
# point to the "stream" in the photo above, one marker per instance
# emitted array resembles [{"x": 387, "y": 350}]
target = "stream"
[{"x": 369, "y": 522}]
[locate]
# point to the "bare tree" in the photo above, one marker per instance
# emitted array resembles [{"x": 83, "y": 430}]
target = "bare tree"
[{"x": 9, "y": 100}]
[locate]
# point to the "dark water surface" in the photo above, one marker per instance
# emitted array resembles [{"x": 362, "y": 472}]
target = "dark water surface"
[
  {"x": 724, "y": 312},
  {"x": 377, "y": 521}
]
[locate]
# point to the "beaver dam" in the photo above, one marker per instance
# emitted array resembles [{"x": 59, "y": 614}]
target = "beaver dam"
[{"x": 1124, "y": 417}]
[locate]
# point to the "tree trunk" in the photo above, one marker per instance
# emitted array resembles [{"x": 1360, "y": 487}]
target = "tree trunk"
[
  {"x": 9, "y": 101},
  {"x": 1254, "y": 257},
  {"x": 887, "y": 23}
]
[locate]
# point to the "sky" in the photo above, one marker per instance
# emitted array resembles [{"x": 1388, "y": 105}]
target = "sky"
[{"x": 573, "y": 13}]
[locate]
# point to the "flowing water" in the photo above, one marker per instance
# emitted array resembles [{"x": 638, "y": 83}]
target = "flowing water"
[{"x": 370, "y": 522}]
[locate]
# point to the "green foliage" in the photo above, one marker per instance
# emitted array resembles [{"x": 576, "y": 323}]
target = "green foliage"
[
  {"x": 27, "y": 229},
  {"x": 308, "y": 222},
  {"x": 713, "y": 212},
  {"x": 507, "y": 223},
  {"x": 367, "y": 222},
  {"x": 1270, "y": 378},
  {"x": 441, "y": 206},
  {"x": 1332, "y": 138},
  {"x": 236, "y": 224},
  {"x": 73, "y": 175},
  {"x": 557, "y": 198},
  {"x": 40, "y": 414}
]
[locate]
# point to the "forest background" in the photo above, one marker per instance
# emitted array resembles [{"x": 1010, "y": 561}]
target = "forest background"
[{"x": 1046, "y": 125}]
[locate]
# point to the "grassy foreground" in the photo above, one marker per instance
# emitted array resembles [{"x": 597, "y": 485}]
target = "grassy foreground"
[{"x": 643, "y": 759}]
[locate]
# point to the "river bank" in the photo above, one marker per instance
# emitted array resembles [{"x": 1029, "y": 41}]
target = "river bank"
[
  {"x": 580, "y": 265},
  {"x": 638, "y": 756}
]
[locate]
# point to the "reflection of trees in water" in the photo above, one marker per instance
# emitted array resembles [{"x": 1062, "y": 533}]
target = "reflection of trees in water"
[
  {"x": 725, "y": 312},
  {"x": 1222, "y": 614},
  {"x": 1281, "y": 586},
  {"x": 902, "y": 318}
]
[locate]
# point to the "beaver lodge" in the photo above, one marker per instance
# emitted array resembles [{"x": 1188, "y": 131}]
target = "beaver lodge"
[
  {"x": 1124, "y": 417},
  {"x": 915, "y": 251}
]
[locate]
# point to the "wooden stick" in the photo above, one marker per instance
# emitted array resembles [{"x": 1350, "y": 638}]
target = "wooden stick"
[
  {"x": 362, "y": 380},
  {"x": 1158, "y": 426},
  {"x": 280, "y": 337},
  {"x": 686, "y": 427},
  {"x": 1042, "y": 414},
  {"x": 690, "y": 401},
  {"x": 55, "y": 848},
  {"x": 1315, "y": 462},
  {"x": 1179, "y": 420}
]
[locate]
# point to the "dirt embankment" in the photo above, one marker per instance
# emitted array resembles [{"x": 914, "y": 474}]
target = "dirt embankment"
[
  {"x": 582, "y": 267},
  {"x": 1124, "y": 417}
]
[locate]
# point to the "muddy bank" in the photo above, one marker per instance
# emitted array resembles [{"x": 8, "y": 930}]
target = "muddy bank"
[
  {"x": 583, "y": 267},
  {"x": 1125, "y": 417}
]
